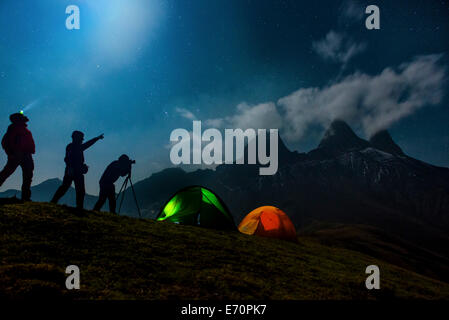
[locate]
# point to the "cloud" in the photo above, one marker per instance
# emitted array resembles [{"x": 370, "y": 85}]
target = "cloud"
[
  {"x": 215, "y": 123},
  {"x": 337, "y": 47},
  {"x": 260, "y": 116},
  {"x": 372, "y": 102},
  {"x": 369, "y": 102},
  {"x": 352, "y": 11},
  {"x": 185, "y": 113}
]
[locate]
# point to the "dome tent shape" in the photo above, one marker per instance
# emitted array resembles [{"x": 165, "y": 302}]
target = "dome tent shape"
[
  {"x": 268, "y": 221},
  {"x": 197, "y": 206}
]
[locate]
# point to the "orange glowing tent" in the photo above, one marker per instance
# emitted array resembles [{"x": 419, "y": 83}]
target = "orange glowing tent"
[{"x": 269, "y": 222}]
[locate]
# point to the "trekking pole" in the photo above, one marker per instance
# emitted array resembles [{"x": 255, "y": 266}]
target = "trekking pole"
[{"x": 135, "y": 198}]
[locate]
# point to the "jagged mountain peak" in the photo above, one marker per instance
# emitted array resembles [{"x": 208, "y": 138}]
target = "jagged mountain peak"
[
  {"x": 284, "y": 153},
  {"x": 339, "y": 137},
  {"x": 382, "y": 140}
]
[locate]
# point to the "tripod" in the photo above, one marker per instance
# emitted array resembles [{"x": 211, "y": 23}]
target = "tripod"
[{"x": 123, "y": 190}]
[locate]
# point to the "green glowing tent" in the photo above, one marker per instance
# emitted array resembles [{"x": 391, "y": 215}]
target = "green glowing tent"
[{"x": 197, "y": 206}]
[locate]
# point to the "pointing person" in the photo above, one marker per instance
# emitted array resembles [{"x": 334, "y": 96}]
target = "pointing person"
[
  {"x": 75, "y": 168},
  {"x": 19, "y": 146}
]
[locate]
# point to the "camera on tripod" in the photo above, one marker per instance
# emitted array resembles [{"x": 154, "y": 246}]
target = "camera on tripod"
[{"x": 125, "y": 160}]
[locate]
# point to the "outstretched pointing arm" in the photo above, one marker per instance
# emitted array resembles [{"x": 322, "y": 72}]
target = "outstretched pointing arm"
[{"x": 89, "y": 143}]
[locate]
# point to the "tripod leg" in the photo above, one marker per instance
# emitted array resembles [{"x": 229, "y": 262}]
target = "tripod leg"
[
  {"x": 123, "y": 194},
  {"x": 135, "y": 198},
  {"x": 121, "y": 189}
]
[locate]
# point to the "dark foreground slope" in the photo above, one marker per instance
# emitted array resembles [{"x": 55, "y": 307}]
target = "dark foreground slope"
[
  {"x": 126, "y": 258},
  {"x": 380, "y": 244}
]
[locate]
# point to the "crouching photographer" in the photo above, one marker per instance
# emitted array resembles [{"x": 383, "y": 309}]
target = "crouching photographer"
[{"x": 118, "y": 168}]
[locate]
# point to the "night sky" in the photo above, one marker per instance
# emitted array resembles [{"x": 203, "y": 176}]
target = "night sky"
[{"x": 136, "y": 70}]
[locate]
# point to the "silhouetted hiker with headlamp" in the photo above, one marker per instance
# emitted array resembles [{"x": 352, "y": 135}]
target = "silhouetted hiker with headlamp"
[
  {"x": 19, "y": 145},
  {"x": 118, "y": 168},
  {"x": 75, "y": 168}
]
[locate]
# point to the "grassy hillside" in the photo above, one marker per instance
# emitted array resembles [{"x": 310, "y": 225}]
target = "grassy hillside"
[
  {"x": 126, "y": 258},
  {"x": 386, "y": 246}
]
